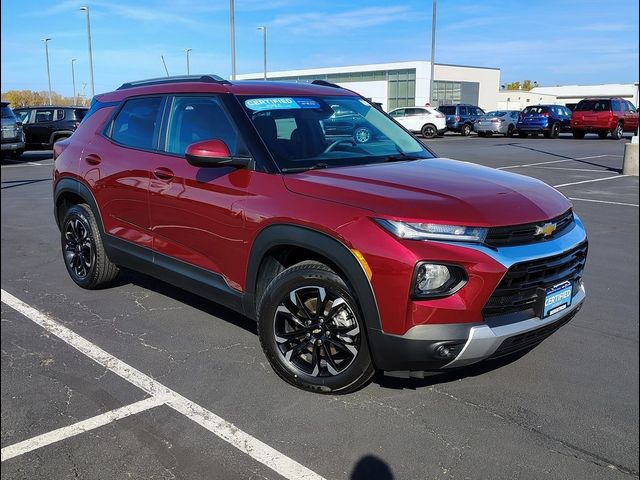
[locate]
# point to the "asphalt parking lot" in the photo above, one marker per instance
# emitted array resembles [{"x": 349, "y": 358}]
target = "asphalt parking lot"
[{"x": 154, "y": 373}]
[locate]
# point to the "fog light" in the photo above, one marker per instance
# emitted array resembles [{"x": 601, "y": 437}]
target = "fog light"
[
  {"x": 448, "y": 350},
  {"x": 431, "y": 277}
]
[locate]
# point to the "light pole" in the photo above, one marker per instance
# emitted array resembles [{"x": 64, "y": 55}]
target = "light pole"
[
  {"x": 433, "y": 53},
  {"x": 73, "y": 79},
  {"x": 186, "y": 51},
  {"x": 46, "y": 51},
  {"x": 86, "y": 9},
  {"x": 264, "y": 48},
  {"x": 232, "y": 25}
]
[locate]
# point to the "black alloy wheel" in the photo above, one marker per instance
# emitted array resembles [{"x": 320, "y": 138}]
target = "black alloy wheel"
[{"x": 79, "y": 251}]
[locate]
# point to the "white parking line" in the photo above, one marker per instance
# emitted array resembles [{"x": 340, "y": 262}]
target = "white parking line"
[
  {"x": 534, "y": 164},
  {"x": 589, "y": 181},
  {"x": 28, "y": 164},
  {"x": 597, "y": 156},
  {"x": 603, "y": 201},
  {"x": 244, "y": 442},
  {"x": 576, "y": 169},
  {"x": 78, "y": 428}
]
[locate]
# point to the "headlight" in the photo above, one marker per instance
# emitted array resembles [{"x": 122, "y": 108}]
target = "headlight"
[
  {"x": 433, "y": 231},
  {"x": 433, "y": 280}
]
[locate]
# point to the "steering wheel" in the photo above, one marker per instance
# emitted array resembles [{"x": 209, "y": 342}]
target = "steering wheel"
[{"x": 338, "y": 142}]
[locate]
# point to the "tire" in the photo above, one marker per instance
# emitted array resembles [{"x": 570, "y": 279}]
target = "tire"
[
  {"x": 482, "y": 134},
  {"x": 83, "y": 252},
  {"x": 312, "y": 337},
  {"x": 554, "y": 132},
  {"x": 578, "y": 133},
  {"x": 362, "y": 135},
  {"x": 603, "y": 134},
  {"x": 466, "y": 130},
  {"x": 429, "y": 130},
  {"x": 511, "y": 130},
  {"x": 523, "y": 134},
  {"x": 617, "y": 132}
]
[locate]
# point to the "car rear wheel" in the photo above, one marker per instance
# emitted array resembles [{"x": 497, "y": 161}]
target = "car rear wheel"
[
  {"x": 429, "y": 131},
  {"x": 578, "y": 133},
  {"x": 510, "y": 131},
  {"x": 466, "y": 130},
  {"x": 616, "y": 133},
  {"x": 82, "y": 249},
  {"x": 311, "y": 330},
  {"x": 555, "y": 130},
  {"x": 362, "y": 135}
]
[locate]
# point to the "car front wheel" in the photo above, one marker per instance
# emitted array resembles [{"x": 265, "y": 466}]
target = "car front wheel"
[
  {"x": 311, "y": 330},
  {"x": 82, "y": 249},
  {"x": 616, "y": 133},
  {"x": 429, "y": 131}
]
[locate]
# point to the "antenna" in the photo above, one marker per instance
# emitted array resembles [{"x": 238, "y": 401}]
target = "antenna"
[{"x": 165, "y": 65}]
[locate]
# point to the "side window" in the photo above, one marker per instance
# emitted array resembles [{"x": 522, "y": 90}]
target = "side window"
[
  {"x": 462, "y": 111},
  {"x": 631, "y": 107},
  {"x": 23, "y": 116},
  {"x": 398, "y": 113},
  {"x": 43, "y": 116},
  {"x": 136, "y": 123},
  {"x": 60, "y": 114},
  {"x": 615, "y": 105},
  {"x": 479, "y": 111},
  {"x": 194, "y": 119}
]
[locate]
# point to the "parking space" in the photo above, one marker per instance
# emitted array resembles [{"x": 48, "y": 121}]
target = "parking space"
[{"x": 568, "y": 409}]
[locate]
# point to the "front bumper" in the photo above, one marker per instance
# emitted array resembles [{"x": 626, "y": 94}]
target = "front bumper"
[
  {"x": 13, "y": 146},
  {"x": 416, "y": 351}
]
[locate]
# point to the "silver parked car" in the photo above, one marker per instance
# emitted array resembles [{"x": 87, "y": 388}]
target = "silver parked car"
[
  {"x": 12, "y": 134},
  {"x": 497, "y": 121}
]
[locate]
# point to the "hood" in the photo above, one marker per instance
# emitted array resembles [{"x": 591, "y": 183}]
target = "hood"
[{"x": 438, "y": 190}]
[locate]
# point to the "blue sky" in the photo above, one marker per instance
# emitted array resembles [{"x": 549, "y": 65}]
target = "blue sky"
[{"x": 551, "y": 42}]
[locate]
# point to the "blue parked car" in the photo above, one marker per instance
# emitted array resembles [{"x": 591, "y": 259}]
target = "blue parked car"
[
  {"x": 549, "y": 120},
  {"x": 460, "y": 117}
]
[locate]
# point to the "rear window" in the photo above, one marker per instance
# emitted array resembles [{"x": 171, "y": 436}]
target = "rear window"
[
  {"x": 594, "y": 106},
  {"x": 448, "y": 109},
  {"x": 535, "y": 110},
  {"x": 7, "y": 112}
]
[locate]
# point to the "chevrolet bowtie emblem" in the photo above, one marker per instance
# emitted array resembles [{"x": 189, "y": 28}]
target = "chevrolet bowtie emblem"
[{"x": 545, "y": 230}]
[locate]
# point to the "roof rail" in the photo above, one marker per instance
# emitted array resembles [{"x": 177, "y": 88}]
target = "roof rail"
[
  {"x": 324, "y": 83},
  {"x": 175, "y": 79}
]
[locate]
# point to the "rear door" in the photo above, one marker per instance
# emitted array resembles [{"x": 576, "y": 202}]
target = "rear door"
[
  {"x": 39, "y": 132},
  {"x": 415, "y": 118}
]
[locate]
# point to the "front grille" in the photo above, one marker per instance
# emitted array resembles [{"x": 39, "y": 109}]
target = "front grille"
[
  {"x": 530, "y": 339},
  {"x": 526, "y": 233},
  {"x": 525, "y": 283}
]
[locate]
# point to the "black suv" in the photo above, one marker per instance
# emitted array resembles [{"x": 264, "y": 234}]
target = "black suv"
[
  {"x": 460, "y": 117},
  {"x": 44, "y": 126}
]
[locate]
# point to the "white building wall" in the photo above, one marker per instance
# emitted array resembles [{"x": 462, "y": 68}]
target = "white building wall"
[
  {"x": 519, "y": 99},
  {"x": 574, "y": 93},
  {"x": 488, "y": 78}
]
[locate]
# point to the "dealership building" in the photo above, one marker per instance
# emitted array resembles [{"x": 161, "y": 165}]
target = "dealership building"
[{"x": 403, "y": 84}]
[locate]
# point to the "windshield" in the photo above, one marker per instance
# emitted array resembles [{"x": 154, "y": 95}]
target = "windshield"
[
  {"x": 324, "y": 132},
  {"x": 497, "y": 113},
  {"x": 6, "y": 112},
  {"x": 534, "y": 110},
  {"x": 594, "y": 106}
]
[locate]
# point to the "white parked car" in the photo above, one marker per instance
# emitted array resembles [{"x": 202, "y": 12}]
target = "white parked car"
[{"x": 424, "y": 120}]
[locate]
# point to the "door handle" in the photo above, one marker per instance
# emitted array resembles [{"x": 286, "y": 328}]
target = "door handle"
[
  {"x": 163, "y": 173},
  {"x": 92, "y": 159}
]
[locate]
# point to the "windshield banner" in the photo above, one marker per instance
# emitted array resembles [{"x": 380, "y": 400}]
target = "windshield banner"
[{"x": 280, "y": 103}]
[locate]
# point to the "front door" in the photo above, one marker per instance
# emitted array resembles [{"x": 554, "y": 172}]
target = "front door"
[{"x": 196, "y": 213}]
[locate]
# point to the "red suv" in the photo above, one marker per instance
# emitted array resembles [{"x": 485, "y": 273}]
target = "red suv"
[
  {"x": 604, "y": 116},
  {"x": 352, "y": 257}
]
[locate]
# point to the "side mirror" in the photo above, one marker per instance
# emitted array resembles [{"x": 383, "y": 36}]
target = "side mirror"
[{"x": 213, "y": 153}]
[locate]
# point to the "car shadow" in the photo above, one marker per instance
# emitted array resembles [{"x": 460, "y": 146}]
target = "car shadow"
[
  {"x": 453, "y": 375},
  {"x": 371, "y": 467},
  {"x": 31, "y": 156},
  {"x": 130, "y": 277}
]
